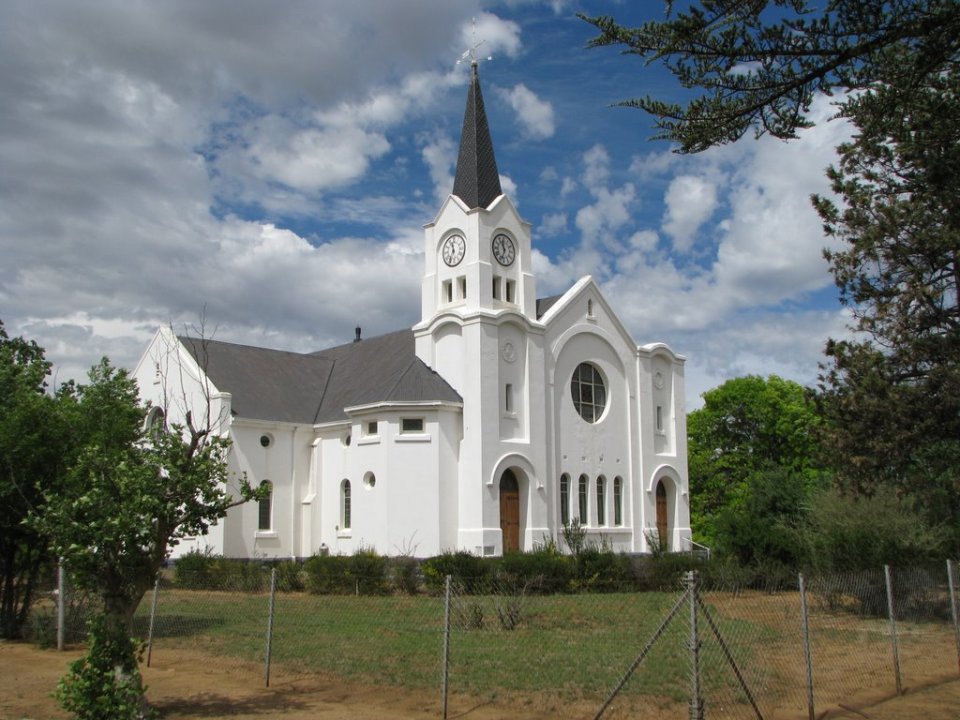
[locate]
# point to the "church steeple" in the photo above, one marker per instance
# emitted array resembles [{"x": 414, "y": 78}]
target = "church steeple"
[{"x": 477, "y": 182}]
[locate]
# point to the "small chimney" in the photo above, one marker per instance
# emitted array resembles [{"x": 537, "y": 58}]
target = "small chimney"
[{"x": 357, "y": 337}]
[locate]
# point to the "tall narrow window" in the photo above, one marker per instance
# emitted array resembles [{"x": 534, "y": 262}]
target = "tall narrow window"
[
  {"x": 462, "y": 283},
  {"x": 618, "y": 501},
  {"x": 601, "y": 500},
  {"x": 508, "y": 398},
  {"x": 496, "y": 288},
  {"x": 345, "y": 505},
  {"x": 564, "y": 499},
  {"x": 266, "y": 503},
  {"x": 510, "y": 291},
  {"x": 583, "y": 492},
  {"x": 448, "y": 291},
  {"x": 659, "y": 418}
]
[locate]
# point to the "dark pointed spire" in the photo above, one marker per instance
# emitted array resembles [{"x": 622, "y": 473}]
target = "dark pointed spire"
[{"x": 477, "y": 182}]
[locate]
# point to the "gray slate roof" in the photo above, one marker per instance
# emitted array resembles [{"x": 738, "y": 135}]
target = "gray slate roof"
[
  {"x": 477, "y": 182},
  {"x": 316, "y": 387}
]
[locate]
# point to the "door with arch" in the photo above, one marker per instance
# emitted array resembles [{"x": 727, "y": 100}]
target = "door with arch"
[
  {"x": 663, "y": 525},
  {"x": 510, "y": 511}
]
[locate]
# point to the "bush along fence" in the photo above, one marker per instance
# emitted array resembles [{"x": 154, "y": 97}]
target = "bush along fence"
[{"x": 708, "y": 645}]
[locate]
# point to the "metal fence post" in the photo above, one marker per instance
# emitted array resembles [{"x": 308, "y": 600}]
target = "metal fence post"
[
  {"x": 696, "y": 701},
  {"x": 951, "y": 571},
  {"x": 446, "y": 646},
  {"x": 61, "y": 603},
  {"x": 893, "y": 629},
  {"x": 153, "y": 615},
  {"x": 273, "y": 593},
  {"x": 806, "y": 647}
]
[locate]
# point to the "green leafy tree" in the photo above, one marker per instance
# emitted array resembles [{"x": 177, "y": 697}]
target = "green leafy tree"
[
  {"x": 758, "y": 63},
  {"x": 893, "y": 397},
  {"x": 31, "y": 453},
  {"x": 843, "y": 532},
  {"x": 131, "y": 494},
  {"x": 748, "y": 428}
]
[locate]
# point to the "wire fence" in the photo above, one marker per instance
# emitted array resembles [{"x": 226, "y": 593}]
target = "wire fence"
[{"x": 712, "y": 650}]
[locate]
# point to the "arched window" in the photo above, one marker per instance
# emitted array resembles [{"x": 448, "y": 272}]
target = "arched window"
[
  {"x": 601, "y": 500},
  {"x": 618, "y": 500},
  {"x": 345, "y": 505},
  {"x": 583, "y": 492},
  {"x": 564, "y": 499},
  {"x": 156, "y": 420},
  {"x": 266, "y": 506}
]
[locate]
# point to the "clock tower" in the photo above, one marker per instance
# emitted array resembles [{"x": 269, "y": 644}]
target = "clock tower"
[{"x": 479, "y": 331}]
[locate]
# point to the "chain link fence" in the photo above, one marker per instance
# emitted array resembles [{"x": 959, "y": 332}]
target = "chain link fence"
[{"x": 704, "y": 649}]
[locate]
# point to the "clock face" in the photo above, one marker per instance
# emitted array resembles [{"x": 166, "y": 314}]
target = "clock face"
[
  {"x": 503, "y": 249},
  {"x": 453, "y": 249}
]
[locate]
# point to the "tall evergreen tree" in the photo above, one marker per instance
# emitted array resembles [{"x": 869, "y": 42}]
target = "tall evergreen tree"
[
  {"x": 758, "y": 63},
  {"x": 893, "y": 398}
]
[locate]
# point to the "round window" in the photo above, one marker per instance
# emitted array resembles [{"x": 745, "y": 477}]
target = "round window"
[
  {"x": 266, "y": 440},
  {"x": 369, "y": 481},
  {"x": 588, "y": 392}
]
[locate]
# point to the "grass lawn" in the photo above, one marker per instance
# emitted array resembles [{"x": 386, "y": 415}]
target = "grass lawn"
[{"x": 571, "y": 645}]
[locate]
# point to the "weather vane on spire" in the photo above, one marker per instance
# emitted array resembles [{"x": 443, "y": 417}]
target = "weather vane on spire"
[{"x": 471, "y": 52}]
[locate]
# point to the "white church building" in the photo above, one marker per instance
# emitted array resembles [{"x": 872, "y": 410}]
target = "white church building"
[{"x": 493, "y": 422}]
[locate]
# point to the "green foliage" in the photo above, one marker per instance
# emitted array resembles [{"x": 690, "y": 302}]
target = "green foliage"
[
  {"x": 859, "y": 533},
  {"x": 748, "y": 428},
  {"x": 106, "y": 682},
  {"x": 544, "y": 570},
  {"x": 33, "y": 449},
  {"x": 363, "y": 573},
  {"x": 892, "y": 398},
  {"x": 763, "y": 528},
  {"x": 575, "y": 536},
  {"x": 758, "y": 64},
  {"x": 599, "y": 569},
  {"x": 468, "y": 570},
  {"x": 128, "y": 495},
  {"x": 203, "y": 571}
]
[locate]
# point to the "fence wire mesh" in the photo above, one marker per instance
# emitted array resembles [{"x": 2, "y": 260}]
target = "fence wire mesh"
[{"x": 615, "y": 654}]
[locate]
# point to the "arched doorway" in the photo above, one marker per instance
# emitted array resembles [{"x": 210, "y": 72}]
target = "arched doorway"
[
  {"x": 510, "y": 511},
  {"x": 663, "y": 526}
]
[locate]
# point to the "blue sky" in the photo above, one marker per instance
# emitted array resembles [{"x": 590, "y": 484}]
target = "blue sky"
[{"x": 269, "y": 167}]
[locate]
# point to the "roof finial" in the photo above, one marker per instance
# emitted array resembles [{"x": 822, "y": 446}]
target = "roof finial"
[{"x": 471, "y": 52}]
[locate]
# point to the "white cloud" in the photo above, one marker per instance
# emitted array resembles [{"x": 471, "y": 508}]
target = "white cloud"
[
  {"x": 495, "y": 34},
  {"x": 534, "y": 115},
  {"x": 312, "y": 159},
  {"x": 553, "y": 224},
  {"x": 690, "y": 201},
  {"x": 439, "y": 153}
]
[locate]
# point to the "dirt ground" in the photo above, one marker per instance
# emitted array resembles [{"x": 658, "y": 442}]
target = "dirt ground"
[{"x": 28, "y": 676}]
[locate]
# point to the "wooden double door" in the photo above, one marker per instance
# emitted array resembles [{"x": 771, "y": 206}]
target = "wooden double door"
[{"x": 510, "y": 511}]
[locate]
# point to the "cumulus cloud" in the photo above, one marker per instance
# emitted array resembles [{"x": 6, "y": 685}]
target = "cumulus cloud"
[
  {"x": 534, "y": 115},
  {"x": 690, "y": 201},
  {"x": 495, "y": 34}
]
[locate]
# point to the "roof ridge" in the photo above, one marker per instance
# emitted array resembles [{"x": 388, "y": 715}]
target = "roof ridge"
[
  {"x": 203, "y": 340},
  {"x": 323, "y": 393},
  {"x": 401, "y": 376}
]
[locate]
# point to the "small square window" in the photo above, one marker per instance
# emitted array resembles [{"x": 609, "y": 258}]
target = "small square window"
[
  {"x": 372, "y": 427},
  {"x": 411, "y": 425}
]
